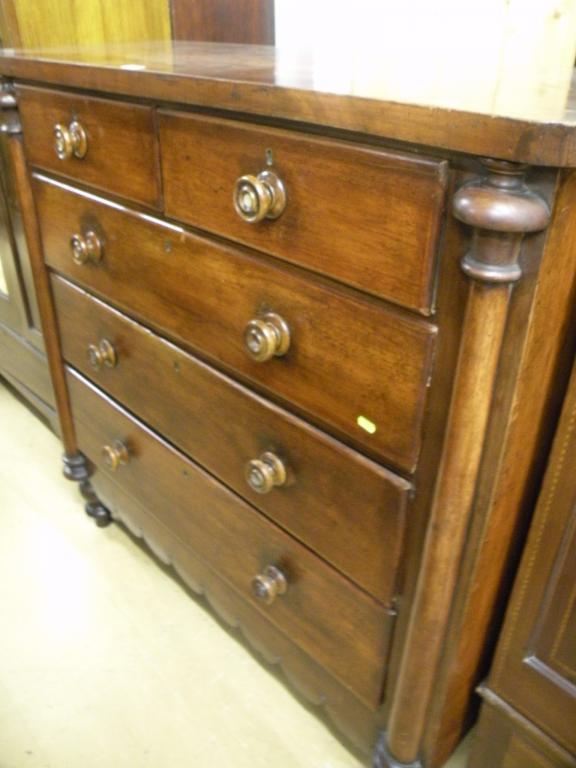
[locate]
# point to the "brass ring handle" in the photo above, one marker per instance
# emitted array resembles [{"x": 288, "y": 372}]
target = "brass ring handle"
[
  {"x": 266, "y": 472},
  {"x": 115, "y": 455},
  {"x": 259, "y": 197},
  {"x": 266, "y": 586},
  {"x": 266, "y": 337},
  {"x": 102, "y": 354},
  {"x": 86, "y": 248},
  {"x": 70, "y": 140}
]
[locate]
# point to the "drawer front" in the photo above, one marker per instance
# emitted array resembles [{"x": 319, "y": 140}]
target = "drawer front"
[
  {"x": 361, "y": 215},
  {"x": 121, "y": 153},
  {"x": 356, "y": 367},
  {"x": 338, "y": 625},
  {"x": 328, "y": 492}
]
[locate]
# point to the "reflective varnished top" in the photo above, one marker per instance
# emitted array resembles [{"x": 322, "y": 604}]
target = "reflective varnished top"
[{"x": 261, "y": 80}]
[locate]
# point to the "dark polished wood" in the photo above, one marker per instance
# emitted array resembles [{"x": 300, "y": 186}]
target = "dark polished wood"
[
  {"x": 349, "y": 358},
  {"x": 222, "y": 425},
  {"x": 121, "y": 154},
  {"x": 251, "y": 80},
  {"x": 499, "y": 202},
  {"x": 505, "y": 738},
  {"x": 320, "y": 610},
  {"x": 23, "y": 362},
  {"x": 539, "y": 341},
  {"x": 235, "y": 351},
  {"x": 534, "y": 670},
  {"x": 44, "y": 296},
  {"x": 22, "y": 357},
  {"x": 223, "y": 21},
  {"x": 384, "y": 208}
]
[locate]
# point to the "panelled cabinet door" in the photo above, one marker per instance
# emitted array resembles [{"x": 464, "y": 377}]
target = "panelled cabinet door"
[
  {"x": 18, "y": 308},
  {"x": 535, "y": 667}
]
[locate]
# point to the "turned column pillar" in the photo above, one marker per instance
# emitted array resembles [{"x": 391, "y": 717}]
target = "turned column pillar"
[{"x": 501, "y": 210}]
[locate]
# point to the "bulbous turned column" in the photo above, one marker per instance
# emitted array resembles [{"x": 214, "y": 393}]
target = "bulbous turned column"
[{"x": 502, "y": 210}]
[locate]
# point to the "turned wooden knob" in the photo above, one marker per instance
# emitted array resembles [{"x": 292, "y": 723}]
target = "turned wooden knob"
[
  {"x": 264, "y": 473},
  {"x": 259, "y": 197},
  {"x": 266, "y": 586},
  {"x": 267, "y": 337},
  {"x": 86, "y": 248},
  {"x": 115, "y": 455},
  {"x": 102, "y": 354},
  {"x": 70, "y": 140}
]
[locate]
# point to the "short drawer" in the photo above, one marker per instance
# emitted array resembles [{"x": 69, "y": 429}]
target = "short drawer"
[
  {"x": 356, "y": 367},
  {"x": 362, "y": 215},
  {"x": 338, "y": 625},
  {"x": 119, "y": 144},
  {"x": 318, "y": 489}
]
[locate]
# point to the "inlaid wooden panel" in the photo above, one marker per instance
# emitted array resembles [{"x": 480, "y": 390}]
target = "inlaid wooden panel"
[
  {"x": 365, "y": 216},
  {"x": 121, "y": 156},
  {"x": 535, "y": 664},
  {"x": 321, "y": 611},
  {"x": 353, "y": 365},
  {"x": 329, "y": 489},
  {"x": 505, "y": 739}
]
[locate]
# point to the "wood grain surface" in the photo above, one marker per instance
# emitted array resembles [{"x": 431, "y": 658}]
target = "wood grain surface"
[
  {"x": 506, "y": 739},
  {"x": 350, "y": 357},
  {"x": 224, "y": 21},
  {"x": 331, "y": 490},
  {"x": 321, "y": 610},
  {"x": 121, "y": 156},
  {"x": 368, "y": 217},
  {"x": 44, "y": 296},
  {"x": 535, "y": 664},
  {"x": 253, "y": 80}
]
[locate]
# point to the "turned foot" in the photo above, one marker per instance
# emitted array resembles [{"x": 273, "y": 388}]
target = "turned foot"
[
  {"x": 99, "y": 513},
  {"x": 77, "y": 468},
  {"x": 94, "y": 507},
  {"x": 383, "y": 759}
]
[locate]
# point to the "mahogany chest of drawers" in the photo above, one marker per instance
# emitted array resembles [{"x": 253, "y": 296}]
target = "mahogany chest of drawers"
[{"x": 309, "y": 347}]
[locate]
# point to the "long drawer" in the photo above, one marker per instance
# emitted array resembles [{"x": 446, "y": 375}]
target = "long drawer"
[
  {"x": 338, "y": 625},
  {"x": 118, "y": 150},
  {"x": 326, "y": 490},
  {"x": 358, "y": 368},
  {"x": 366, "y": 216}
]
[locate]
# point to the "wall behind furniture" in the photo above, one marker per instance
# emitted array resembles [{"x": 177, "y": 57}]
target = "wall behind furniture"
[
  {"x": 47, "y": 23},
  {"x": 54, "y": 23}
]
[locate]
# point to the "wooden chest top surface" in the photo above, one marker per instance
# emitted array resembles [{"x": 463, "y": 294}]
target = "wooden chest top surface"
[{"x": 254, "y": 80}]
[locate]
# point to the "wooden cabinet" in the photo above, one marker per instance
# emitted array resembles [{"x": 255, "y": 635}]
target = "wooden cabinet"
[
  {"x": 530, "y": 696},
  {"x": 308, "y": 346},
  {"x": 22, "y": 358}
]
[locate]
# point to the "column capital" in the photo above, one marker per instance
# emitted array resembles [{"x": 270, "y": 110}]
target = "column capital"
[{"x": 502, "y": 209}]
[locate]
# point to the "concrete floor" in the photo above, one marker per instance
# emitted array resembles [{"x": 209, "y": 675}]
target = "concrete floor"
[{"x": 105, "y": 660}]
